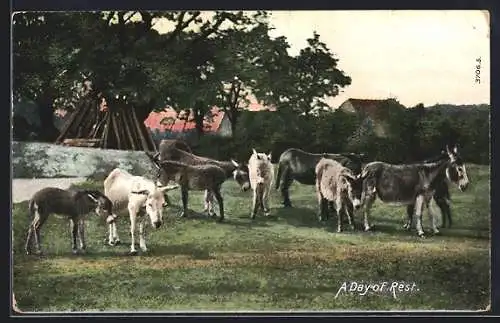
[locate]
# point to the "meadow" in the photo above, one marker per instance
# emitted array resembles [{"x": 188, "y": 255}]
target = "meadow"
[{"x": 288, "y": 261}]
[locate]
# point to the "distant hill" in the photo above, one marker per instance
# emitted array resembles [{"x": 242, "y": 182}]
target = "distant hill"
[{"x": 458, "y": 109}]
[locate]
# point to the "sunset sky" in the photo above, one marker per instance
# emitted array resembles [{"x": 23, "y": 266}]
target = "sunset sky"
[{"x": 413, "y": 56}]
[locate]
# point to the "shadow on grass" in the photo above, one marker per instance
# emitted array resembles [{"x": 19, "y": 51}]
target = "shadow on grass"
[{"x": 301, "y": 217}]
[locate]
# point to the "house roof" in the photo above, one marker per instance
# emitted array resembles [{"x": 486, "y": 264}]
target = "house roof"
[
  {"x": 169, "y": 120},
  {"x": 181, "y": 121},
  {"x": 178, "y": 123},
  {"x": 371, "y": 107}
]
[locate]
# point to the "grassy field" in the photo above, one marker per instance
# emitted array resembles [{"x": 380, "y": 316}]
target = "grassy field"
[{"x": 288, "y": 261}]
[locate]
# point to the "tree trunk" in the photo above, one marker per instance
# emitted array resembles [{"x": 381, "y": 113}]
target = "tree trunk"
[
  {"x": 49, "y": 132},
  {"x": 233, "y": 115},
  {"x": 199, "y": 117}
]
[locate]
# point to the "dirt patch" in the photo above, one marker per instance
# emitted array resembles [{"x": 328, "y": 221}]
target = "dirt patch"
[{"x": 24, "y": 188}]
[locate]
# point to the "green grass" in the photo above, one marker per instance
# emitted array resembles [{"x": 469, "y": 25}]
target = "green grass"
[{"x": 288, "y": 261}]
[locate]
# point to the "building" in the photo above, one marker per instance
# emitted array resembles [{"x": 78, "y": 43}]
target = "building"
[
  {"x": 170, "y": 124},
  {"x": 373, "y": 113}
]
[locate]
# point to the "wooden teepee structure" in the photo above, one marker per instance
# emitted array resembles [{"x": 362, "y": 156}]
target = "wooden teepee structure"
[{"x": 111, "y": 125}]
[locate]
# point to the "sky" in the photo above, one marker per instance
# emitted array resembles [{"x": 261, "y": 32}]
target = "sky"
[{"x": 414, "y": 56}]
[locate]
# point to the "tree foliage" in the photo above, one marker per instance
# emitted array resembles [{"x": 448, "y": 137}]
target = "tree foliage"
[{"x": 204, "y": 60}]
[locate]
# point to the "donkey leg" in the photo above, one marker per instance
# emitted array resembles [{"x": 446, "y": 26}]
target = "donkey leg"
[
  {"x": 338, "y": 208},
  {"x": 116, "y": 238},
  {"x": 265, "y": 201},
  {"x": 133, "y": 220},
  {"x": 432, "y": 215},
  {"x": 255, "y": 200},
  {"x": 367, "y": 210},
  {"x": 321, "y": 203},
  {"x": 349, "y": 209},
  {"x": 419, "y": 205},
  {"x": 206, "y": 202},
  {"x": 30, "y": 237},
  {"x": 285, "y": 185},
  {"x": 410, "y": 209},
  {"x": 220, "y": 202},
  {"x": 38, "y": 223},
  {"x": 142, "y": 234},
  {"x": 209, "y": 203},
  {"x": 81, "y": 234},
  {"x": 109, "y": 239},
  {"x": 74, "y": 234},
  {"x": 184, "y": 197},
  {"x": 444, "y": 206}
]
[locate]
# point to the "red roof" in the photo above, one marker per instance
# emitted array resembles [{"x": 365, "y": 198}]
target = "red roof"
[
  {"x": 178, "y": 123},
  {"x": 370, "y": 107}
]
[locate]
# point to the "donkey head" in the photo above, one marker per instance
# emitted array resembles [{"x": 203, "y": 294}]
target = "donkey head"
[
  {"x": 354, "y": 188},
  {"x": 103, "y": 205},
  {"x": 240, "y": 175},
  {"x": 154, "y": 202},
  {"x": 261, "y": 156},
  {"x": 456, "y": 171}
]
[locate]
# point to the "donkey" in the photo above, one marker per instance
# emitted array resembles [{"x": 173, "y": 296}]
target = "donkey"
[
  {"x": 232, "y": 169},
  {"x": 411, "y": 184},
  {"x": 197, "y": 177},
  {"x": 296, "y": 164},
  {"x": 166, "y": 145},
  {"x": 338, "y": 185},
  {"x": 261, "y": 173},
  {"x": 71, "y": 203},
  {"x": 442, "y": 192},
  {"x": 139, "y": 195}
]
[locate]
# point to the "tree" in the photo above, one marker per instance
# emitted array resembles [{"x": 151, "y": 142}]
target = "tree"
[{"x": 311, "y": 77}]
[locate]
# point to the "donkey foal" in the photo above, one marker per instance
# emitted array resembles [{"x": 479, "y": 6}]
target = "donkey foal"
[
  {"x": 71, "y": 203},
  {"x": 338, "y": 185},
  {"x": 261, "y": 173}
]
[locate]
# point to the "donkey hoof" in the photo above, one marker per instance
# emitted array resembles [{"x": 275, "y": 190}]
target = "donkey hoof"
[
  {"x": 27, "y": 252},
  {"x": 117, "y": 242},
  {"x": 368, "y": 228},
  {"x": 339, "y": 230},
  {"x": 436, "y": 232},
  {"x": 252, "y": 216},
  {"x": 132, "y": 252},
  {"x": 421, "y": 234},
  {"x": 74, "y": 251}
]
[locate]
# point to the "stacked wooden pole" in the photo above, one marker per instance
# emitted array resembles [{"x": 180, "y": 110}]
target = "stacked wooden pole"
[{"x": 115, "y": 128}]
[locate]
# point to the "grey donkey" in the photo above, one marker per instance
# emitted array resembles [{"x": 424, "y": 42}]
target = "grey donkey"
[{"x": 71, "y": 203}]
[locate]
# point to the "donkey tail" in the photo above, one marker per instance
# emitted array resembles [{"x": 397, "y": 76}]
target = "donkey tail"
[{"x": 278, "y": 176}]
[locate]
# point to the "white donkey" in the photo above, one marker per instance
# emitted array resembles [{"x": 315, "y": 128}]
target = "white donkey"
[
  {"x": 138, "y": 195},
  {"x": 261, "y": 173}
]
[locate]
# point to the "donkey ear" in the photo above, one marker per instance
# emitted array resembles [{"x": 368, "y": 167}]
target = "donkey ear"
[
  {"x": 270, "y": 155},
  {"x": 235, "y": 163},
  {"x": 253, "y": 151},
  {"x": 448, "y": 149},
  {"x": 455, "y": 149}
]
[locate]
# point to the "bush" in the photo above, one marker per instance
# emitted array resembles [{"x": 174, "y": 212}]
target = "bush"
[{"x": 413, "y": 134}]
